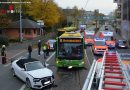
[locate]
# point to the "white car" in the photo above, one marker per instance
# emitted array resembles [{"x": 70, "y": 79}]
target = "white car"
[
  {"x": 52, "y": 44},
  {"x": 33, "y": 72}
]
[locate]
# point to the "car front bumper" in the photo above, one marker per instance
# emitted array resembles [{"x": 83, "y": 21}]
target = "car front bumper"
[{"x": 42, "y": 83}]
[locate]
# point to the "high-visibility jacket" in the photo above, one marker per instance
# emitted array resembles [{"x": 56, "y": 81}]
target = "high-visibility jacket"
[{"x": 44, "y": 47}]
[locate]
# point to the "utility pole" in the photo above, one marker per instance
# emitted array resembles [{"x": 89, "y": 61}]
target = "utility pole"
[
  {"x": 20, "y": 15},
  {"x": 96, "y": 17},
  {"x": 21, "y": 33}
]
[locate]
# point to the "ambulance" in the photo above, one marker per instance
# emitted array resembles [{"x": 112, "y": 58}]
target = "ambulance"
[
  {"x": 108, "y": 35},
  {"x": 99, "y": 46},
  {"x": 89, "y": 37}
]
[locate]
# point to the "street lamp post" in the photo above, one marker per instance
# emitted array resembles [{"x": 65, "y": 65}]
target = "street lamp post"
[{"x": 21, "y": 35}]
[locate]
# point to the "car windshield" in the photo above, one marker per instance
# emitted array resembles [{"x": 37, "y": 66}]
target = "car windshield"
[
  {"x": 100, "y": 43},
  {"x": 33, "y": 66},
  {"x": 122, "y": 42},
  {"x": 51, "y": 41},
  {"x": 108, "y": 37},
  {"x": 70, "y": 51},
  {"x": 90, "y": 36}
]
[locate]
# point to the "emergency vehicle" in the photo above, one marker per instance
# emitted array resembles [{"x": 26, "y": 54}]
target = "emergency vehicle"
[
  {"x": 99, "y": 46},
  {"x": 108, "y": 35},
  {"x": 89, "y": 37},
  {"x": 108, "y": 73}
]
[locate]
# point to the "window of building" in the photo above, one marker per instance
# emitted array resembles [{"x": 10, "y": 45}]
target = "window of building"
[
  {"x": 34, "y": 31},
  {"x": 28, "y": 32}
]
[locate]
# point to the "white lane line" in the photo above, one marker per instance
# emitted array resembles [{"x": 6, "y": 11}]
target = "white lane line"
[
  {"x": 6, "y": 65},
  {"x": 17, "y": 54},
  {"x": 20, "y": 53},
  {"x": 22, "y": 87},
  {"x": 50, "y": 56},
  {"x": 18, "y": 57},
  {"x": 87, "y": 57}
]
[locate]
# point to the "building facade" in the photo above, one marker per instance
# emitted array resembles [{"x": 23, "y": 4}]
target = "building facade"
[{"x": 123, "y": 10}]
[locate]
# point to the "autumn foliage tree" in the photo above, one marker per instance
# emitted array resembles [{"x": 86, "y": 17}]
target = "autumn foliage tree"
[{"x": 47, "y": 11}]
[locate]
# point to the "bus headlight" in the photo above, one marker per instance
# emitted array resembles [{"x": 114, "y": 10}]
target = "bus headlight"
[
  {"x": 82, "y": 62},
  {"x": 70, "y": 67},
  {"x": 57, "y": 62}
]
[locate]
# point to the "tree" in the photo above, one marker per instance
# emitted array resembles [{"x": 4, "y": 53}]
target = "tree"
[
  {"x": 48, "y": 11},
  {"x": 75, "y": 14}
]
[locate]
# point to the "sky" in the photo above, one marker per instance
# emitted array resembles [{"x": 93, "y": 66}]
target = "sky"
[{"x": 104, "y": 6}]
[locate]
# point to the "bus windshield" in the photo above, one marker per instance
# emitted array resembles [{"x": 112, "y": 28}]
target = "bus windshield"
[
  {"x": 71, "y": 51},
  {"x": 100, "y": 43},
  {"x": 89, "y": 36}
]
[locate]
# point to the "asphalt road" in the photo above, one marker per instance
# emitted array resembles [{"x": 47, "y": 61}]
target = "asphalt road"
[{"x": 65, "y": 79}]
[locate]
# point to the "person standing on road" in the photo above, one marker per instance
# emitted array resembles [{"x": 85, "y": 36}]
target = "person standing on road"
[
  {"x": 44, "y": 50},
  {"x": 48, "y": 48},
  {"x": 29, "y": 51},
  {"x": 39, "y": 47},
  {"x": 3, "y": 54}
]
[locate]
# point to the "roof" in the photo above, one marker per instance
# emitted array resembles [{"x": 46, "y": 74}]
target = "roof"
[
  {"x": 51, "y": 40},
  {"x": 99, "y": 39},
  {"x": 71, "y": 34},
  {"x": 90, "y": 32},
  {"x": 26, "y": 23},
  {"x": 21, "y": 62}
]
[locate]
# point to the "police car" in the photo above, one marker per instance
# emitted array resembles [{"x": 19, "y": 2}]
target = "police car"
[{"x": 99, "y": 46}]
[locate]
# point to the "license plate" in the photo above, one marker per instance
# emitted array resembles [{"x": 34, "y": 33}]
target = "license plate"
[{"x": 47, "y": 82}]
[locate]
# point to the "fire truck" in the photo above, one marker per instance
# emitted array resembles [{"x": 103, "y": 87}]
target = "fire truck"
[
  {"x": 99, "y": 46},
  {"x": 89, "y": 37},
  {"x": 108, "y": 73}
]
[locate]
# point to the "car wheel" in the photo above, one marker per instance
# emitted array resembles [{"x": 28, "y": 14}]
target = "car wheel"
[
  {"x": 13, "y": 72},
  {"x": 28, "y": 83}
]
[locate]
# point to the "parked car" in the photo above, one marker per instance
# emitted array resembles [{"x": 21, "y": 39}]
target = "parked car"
[
  {"x": 106, "y": 27},
  {"x": 122, "y": 44},
  {"x": 52, "y": 43},
  {"x": 32, "y": 72}
]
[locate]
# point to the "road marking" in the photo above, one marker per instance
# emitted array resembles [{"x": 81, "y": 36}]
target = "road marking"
[
  {"x": 18, "y": 57},
  {"x": 20, "y": 53},
  {"x": 6, "y": 65},
  {"x": 51, "y": 88},
  {"x": 50, "y": 56},
  {"x": 87, "y": 57},
  {"x": 92, "y": 54},
  {"x": 22, "y": 87}
]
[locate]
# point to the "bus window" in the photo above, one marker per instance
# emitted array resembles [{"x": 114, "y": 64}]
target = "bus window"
[{"x": 70, "y": 51}]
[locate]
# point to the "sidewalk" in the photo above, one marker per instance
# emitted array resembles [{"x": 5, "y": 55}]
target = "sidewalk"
[{"x": 16, "y": 48}]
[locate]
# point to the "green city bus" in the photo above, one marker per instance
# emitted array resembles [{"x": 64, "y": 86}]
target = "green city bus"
[
  {"x": 60, "y": 32},
  {"x": 65, "y": 29},
  {"x": 70, "y": 50}
]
